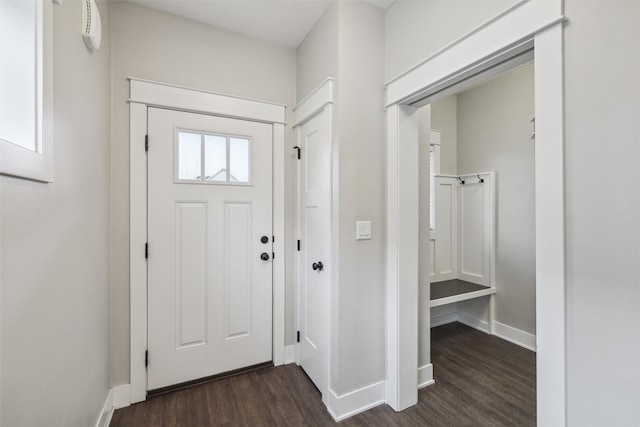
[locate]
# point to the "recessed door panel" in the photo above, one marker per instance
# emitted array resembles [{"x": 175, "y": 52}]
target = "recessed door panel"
[
  {"x": 238, "y": 222},
  {"x": 191, "y": 273}
]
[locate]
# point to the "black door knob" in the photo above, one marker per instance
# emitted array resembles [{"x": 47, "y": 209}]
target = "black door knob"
[
  {"x": 264, "y": 239},
  {"x": 264, "y": 256},
  {"x": 317, "y": 266}
]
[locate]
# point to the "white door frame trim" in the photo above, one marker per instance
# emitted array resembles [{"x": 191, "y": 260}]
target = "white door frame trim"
[
  {"x": 539, "y": 22},
  {"x": 144, "y": 94}
]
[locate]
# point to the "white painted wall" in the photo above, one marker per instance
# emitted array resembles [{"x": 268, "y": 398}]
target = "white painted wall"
[
  {"x": 55, "y": 250},
  {"x": 347, "y": 43},
  {"x": 317, "y": 55},
  {"x": 444, "y": 117},
  {"x": 494, "y": 132},
  {"x": 603, "y": 231},
  {"x": 361, "y": 338},
  {"x": 418, "y": 29},
  {"x": 157, "y": 46}
]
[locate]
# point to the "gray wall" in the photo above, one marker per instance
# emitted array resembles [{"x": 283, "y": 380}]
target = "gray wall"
[
  {"x": 55, "y": 250},
  {"x": 347, "y": 44},
  {"x": 494, "y": 130},
  {"x": 158, "y": 46},
  {"x": 361, "y": 337},
  {"x": 602, "y": 98},
  {"x": 418, "y": 29},
  {"x": 444, "y": 117},
  {"x": 317, "y": 55},
  {"x": 603, "y": 235}
]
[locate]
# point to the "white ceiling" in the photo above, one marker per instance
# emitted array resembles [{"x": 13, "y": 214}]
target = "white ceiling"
[{"x": 285, "y": 22}]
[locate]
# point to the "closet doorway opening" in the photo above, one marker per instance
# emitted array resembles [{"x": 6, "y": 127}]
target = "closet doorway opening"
[{"x": 477, "y": 240}]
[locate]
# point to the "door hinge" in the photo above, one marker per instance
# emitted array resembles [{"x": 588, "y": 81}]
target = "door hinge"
[
  {"x": 146, "y": 143},
  {"x": 297, "y": 148},
  {"x": 298, "y": 244},
  {"x": 273, "y": 255},
  {"x": 273, "y": 239},
  {"x": 146, "y": 358},
  {"x": 146, "y": 251},
  {"x": 298, "y": 337}
]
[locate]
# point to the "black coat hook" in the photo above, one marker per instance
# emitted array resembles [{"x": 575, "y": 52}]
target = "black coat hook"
[
  {"x": 480, "y": 180},
  {"x": 461, "y": 180}
]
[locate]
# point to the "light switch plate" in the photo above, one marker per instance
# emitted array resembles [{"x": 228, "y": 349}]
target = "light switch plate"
[{"x": 363, "y": 230}]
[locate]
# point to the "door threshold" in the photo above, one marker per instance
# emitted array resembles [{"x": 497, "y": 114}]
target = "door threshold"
[{"x": 188, "y": 384}]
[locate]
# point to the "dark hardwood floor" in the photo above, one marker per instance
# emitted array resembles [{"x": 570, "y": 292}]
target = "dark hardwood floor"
[{"x": 481, "y": 380}]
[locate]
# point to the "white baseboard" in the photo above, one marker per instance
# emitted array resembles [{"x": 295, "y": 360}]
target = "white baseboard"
[
  {"x": 515, "y": 336},
  {"x": 104, "y": 418},
  {"x": 425, "y": 376},
  {"x": 475, "y": 323},
  {"x": 118, "y": 397},
  {"x": 352, "y": 403},
  {"x": 121, "y": 396},
  {"x": 289, "y": 354},
  {"x": 444, "y": 319}
]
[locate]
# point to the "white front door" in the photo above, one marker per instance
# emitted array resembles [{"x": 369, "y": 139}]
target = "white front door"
[
  {"x": 210, "y": 245},
  {"x": 314, "y": 265}
]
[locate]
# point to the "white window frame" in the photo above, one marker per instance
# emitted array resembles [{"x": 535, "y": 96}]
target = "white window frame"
[
  {"x": 18, "y": 161},
  {"x": 527, "y": 23}
]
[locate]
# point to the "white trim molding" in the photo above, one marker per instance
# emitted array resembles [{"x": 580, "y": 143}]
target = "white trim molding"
[
  {"x": 145, "y": 94},
  {"x": 118, "y": 397},
  {"x": 313, "y": 103},
  {"x": 515, "y": 336},
  {"x": 425, "y": 376},
  {"x": 357, "y": 401},
  {"x": 536, "y": 23},
  {"x": 289, "y": 354}
]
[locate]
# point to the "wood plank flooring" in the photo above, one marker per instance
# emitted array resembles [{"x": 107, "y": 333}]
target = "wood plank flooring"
[{"x": 481, "y": 380}]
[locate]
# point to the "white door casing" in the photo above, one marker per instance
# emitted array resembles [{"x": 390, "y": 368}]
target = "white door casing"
[
  {"x": 144, "y": 94},
  {"x": 538, "y": 23}
]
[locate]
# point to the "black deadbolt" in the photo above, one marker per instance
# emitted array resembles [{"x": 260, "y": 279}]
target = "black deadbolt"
[
  {"x": 264, "y": 256},
  {"x": 264, "y": 239}
]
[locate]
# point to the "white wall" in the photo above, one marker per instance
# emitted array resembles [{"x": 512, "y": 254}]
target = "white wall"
[
  {"x": 158, "y": 46},
  {"x": 418, "y": 29},
  {"x": 347, "y": 44},
  {"x": 444, "y": 117},
  {"x": 361, "y": 338},
  {"x": 603, "y": 234},
  {"x": 494, "y": 130},
  {"x": 55, "y": 250},
  {"x": 317, "y": 55}
]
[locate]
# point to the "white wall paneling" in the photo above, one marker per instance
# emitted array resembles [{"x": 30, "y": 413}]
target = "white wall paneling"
[
  {"x": 540, "y": 22},
  {"x": 444, "y": 245},
  {"x": 476, "y": 229},
  {"x": 144, "y": 94}
]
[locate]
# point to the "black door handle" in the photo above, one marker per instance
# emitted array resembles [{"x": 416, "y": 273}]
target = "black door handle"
[
  {"x": 264, "y": 256},
  {"x": 317, "y": 266}
]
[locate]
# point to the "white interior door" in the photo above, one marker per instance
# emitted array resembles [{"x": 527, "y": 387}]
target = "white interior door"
[
  {"x": 314, "y": 266},
  {"x": 210, "y": 245}
]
